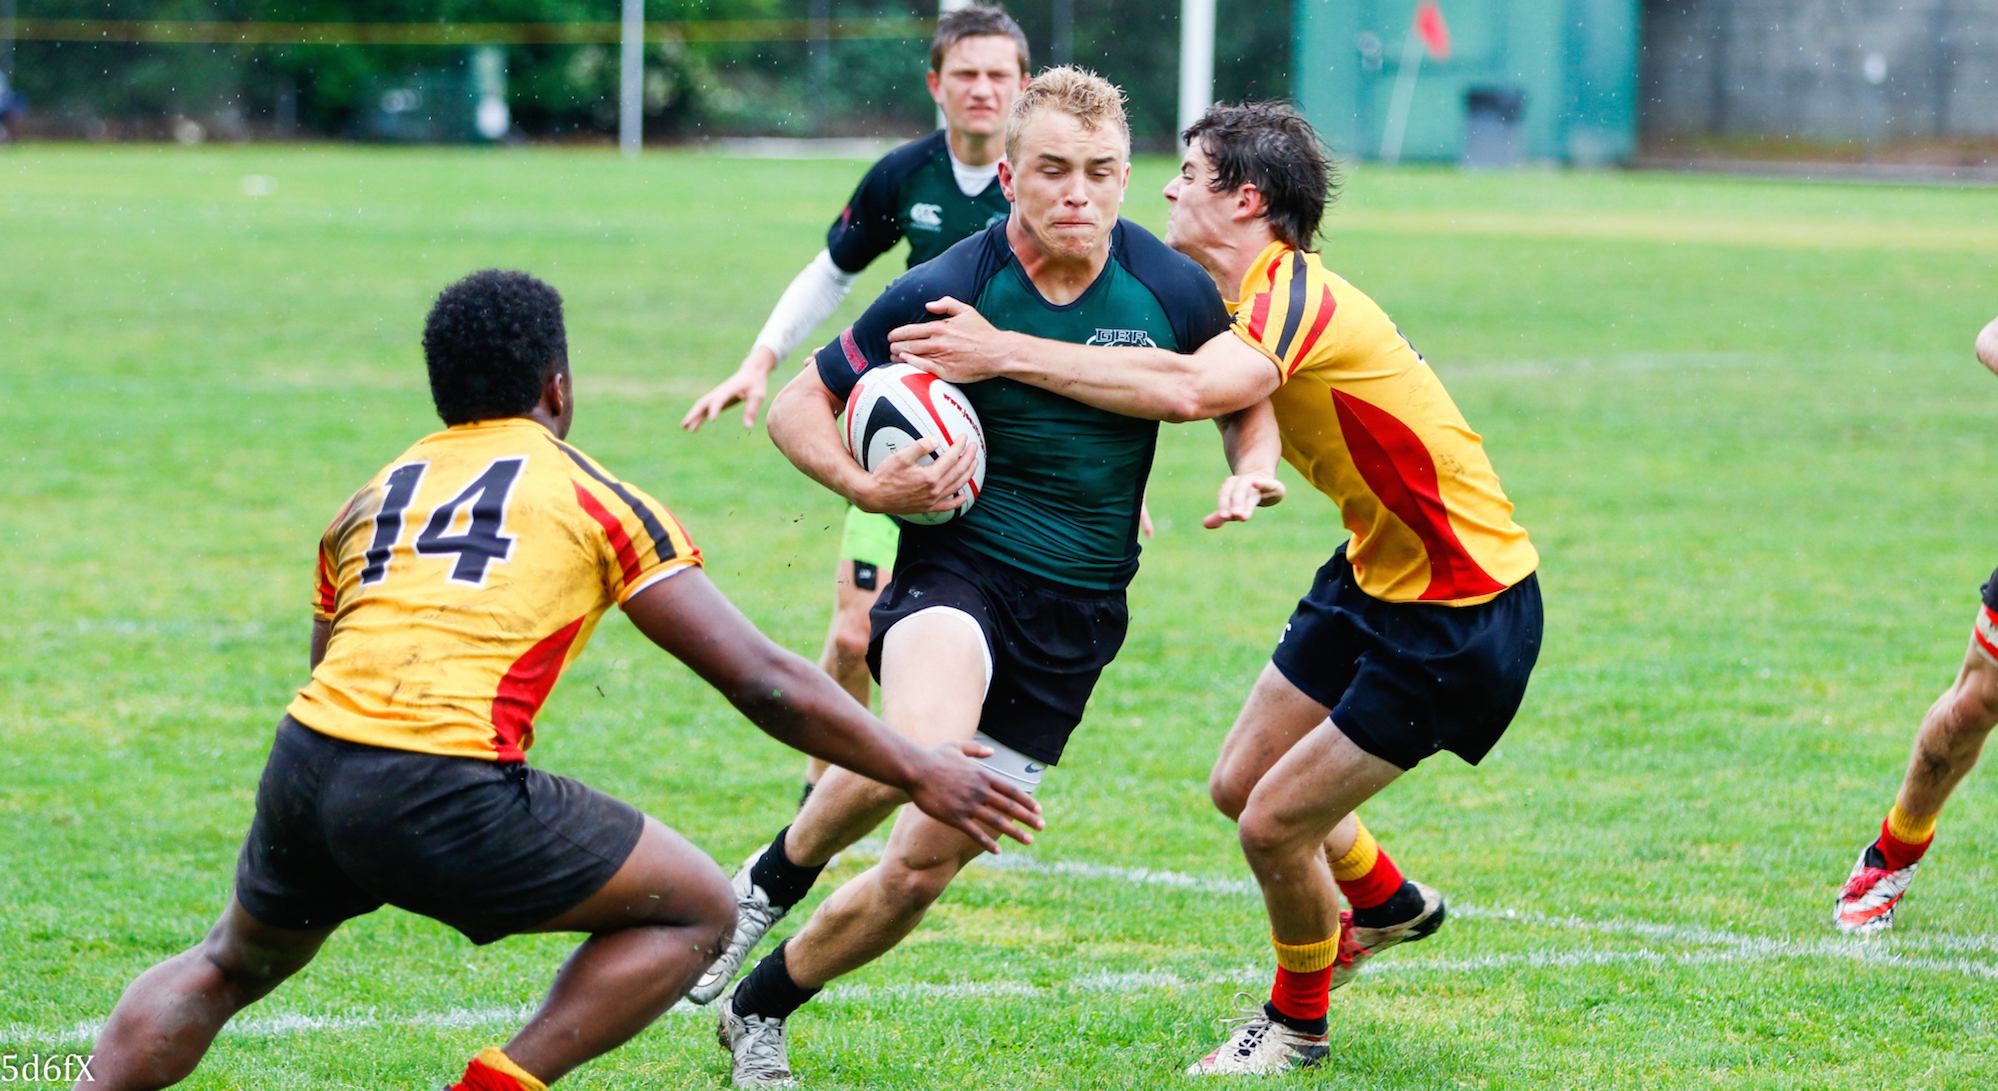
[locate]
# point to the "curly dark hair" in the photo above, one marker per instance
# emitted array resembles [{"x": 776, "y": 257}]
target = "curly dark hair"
[
  {"x": 1271, "y": 146},
  {"x": 491, "y": 341}
]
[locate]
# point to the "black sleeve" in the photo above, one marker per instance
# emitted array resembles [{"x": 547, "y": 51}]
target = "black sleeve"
[
  {"x": 1180, "y": 285},
  {"x": 868, "y": 226},
  {"x": 957, "y": 272}
]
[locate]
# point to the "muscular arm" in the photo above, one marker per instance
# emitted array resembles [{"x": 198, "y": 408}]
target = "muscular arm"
[
  {"x": 1224, "y": 375},
  {"x": 801, "y": 706},
  {"x": 1987, "y": 346},
  {"x": 803, "y": 424}
]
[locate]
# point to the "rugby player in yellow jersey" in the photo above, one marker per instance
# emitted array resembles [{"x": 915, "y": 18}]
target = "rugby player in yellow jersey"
[
  {"x": 452, "y": 590},
  {"x": 1418, "y": 634},
  {"x": 1946, "y": 747}
]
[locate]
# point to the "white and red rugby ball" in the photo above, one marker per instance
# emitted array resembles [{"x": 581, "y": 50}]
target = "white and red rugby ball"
[{"x": 895, "y": 405}]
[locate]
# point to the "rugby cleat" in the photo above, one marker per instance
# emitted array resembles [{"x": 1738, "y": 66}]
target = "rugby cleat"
[
  {"x": 754, "y": 916},
  {"x": 1259, "y": 1046},
  {"x": 1865, "y": 905},
  {"x": 1357, "y": 945},
  {"x": 756, "y": 1048}
]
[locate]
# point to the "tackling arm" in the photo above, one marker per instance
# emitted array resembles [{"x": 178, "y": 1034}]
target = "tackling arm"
[
  {"x": 801, "y": 706},
  {"x": 1226, "y": 374}
]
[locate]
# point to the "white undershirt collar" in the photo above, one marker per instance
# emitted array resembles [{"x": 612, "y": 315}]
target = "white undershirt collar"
[{"x": 971, "y": 180}]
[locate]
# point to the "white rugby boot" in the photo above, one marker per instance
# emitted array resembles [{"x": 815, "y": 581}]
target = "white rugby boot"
[
  {"x": 754, "y": 916},
  {"x": 1865, "y": 905},
  {"x": 1364, "y": 943},
  {"x": 756, "y": 1048},
  {"x": 1259, "y": 1046}
]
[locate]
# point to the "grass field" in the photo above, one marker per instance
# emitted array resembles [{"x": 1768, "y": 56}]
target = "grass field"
[{"x": 1740, "y": 419}]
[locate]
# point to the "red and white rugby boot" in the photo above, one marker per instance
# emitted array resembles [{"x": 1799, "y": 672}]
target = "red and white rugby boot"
[
  {"x": 1260, "y": 1046},
  {"x": 1357, "y": 945},
  {"x": 1866, "y": 903}
]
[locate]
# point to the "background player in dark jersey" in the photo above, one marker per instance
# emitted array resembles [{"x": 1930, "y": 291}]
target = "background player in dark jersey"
[
  {"x": 932, "y": 192},
  {"x": 453, "y": 588},
  {"x": 997, "y": 624},
  {"x": 1946, "y": 748}
]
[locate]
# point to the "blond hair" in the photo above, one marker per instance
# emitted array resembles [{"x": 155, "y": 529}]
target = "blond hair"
[{"x": 1081, "y": 94}]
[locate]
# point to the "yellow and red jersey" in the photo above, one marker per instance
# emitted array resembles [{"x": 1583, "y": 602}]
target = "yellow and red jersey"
[
  {"x": 1367, "y": 422},
  {"x": 464, "y": 578}
]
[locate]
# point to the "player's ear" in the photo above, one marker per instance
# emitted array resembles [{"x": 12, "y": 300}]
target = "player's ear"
[
  {"x": 935, "y": 84},
  {"x": 1249, "y": 202}
]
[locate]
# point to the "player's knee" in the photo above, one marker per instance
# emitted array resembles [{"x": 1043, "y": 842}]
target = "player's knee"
[
  {"x": 911, "y": 889},
  {"x": 1976, "y": 704},
  {"x": 851, "y": 630},
  {"x": 1229, "y": 790},
  {"x": 1264, "y": 837},
  {"x": 714, "y": 907}
]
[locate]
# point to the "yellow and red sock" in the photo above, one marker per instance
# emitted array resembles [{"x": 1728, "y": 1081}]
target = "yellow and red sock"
[
  {"x": 1365, "y": 874},
  {"x": 492, "y": 1070},
  {"x": 1905, "y": 837},
  {"x": 1303, "y": 989}
]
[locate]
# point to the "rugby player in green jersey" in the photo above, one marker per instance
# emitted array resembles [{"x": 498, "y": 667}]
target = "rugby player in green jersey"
[
  {"x": 933, "y": 192},
  {"x": 998, "y": 623}
]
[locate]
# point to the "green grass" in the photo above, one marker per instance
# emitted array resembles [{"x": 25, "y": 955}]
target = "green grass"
[{"x": 1740, "y": 419}]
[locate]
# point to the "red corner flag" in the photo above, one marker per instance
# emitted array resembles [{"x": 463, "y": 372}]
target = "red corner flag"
[{"x": 1435, "y": 32}]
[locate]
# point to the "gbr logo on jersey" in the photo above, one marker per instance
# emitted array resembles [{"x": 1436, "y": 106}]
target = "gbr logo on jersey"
[
  {"x": 1135, "y": 338},
  {"x": 926, "y": 217}
]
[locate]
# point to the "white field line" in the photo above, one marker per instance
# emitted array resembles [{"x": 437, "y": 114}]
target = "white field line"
[{"x": 1712, "y": 946}]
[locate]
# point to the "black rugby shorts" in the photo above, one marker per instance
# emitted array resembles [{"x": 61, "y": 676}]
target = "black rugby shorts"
[
  {"x": 1406, "y": 679},
  {"x": 1049, "y": 641},
  {"x": 489, "y": 848}
]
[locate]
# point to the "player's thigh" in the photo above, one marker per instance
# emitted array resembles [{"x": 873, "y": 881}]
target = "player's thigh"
[
  {"x": 851, "y": 603},
  {"x": 259, "y": 955},
  {"x": 1273, "y": 720},
  {"x": 935, "y": 665},
  {"x": 1313, "y": 786},
  {"x": 665, "y": 880}
]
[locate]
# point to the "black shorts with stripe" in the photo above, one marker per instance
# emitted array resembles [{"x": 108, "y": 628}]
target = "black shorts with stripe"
[
  {"x": 489, "y": 848},
  {"x": 1406, "y": 679}
]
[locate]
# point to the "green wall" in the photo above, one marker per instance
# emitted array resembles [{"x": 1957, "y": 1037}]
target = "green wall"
[{"x": 1576, "y": 61}]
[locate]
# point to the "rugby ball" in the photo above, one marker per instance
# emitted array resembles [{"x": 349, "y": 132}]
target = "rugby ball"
[{"x": 895, "y": 405}]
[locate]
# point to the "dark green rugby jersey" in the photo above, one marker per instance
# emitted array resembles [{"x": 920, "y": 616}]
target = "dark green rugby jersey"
[
  {"x": 911, "y": 193},
  {"x": 1063, "y": 480}
]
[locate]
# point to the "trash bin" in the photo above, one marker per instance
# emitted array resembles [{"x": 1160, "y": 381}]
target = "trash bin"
[{"x": 1492, "y": 134}]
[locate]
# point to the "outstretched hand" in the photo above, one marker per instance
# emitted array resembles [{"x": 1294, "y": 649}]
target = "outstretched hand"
[
  {"x": 750, "y": 385},
  {"x": 1239, "y": 498},
  {"x": 961, "y": 347},
  {"x": 959, "y": 792}
]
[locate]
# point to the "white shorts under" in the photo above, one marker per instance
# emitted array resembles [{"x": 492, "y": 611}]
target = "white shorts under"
[{"x": 1010, "y": 763}]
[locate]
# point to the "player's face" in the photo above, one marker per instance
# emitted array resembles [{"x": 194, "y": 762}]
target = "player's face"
[
  {"x": 1067, "y": 184},
  {"x": 976, "y": 86},
  {"x": 1200, "y": 216}
]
